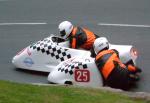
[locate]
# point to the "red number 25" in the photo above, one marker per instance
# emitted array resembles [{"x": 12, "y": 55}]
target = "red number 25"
[{"x": 82, "y": 75}]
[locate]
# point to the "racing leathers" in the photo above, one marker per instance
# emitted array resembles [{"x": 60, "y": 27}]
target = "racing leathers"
[
  {"x": 115, "y": 74},
  {"x": 82, "y": 38}
]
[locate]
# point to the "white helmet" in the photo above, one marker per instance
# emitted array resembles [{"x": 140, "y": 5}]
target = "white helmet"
[
  {"x": 65, "y": 29},
  {"x": 100, "y": 44}
]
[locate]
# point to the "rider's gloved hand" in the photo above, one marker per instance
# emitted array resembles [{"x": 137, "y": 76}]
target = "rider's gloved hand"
[
  {"x": 134, "y": 77},
  {"x": 138, "y": 70},
  {"x": 133, "y": 69}
]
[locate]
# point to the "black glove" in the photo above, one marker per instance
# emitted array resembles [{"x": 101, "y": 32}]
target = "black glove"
[
  {"x": 138, "y": 70},
  {"x": 134, "y": 77},
  {"x": 92, "y": 52}
]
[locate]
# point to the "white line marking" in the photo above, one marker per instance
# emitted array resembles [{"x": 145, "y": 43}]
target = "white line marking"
[
  {"x": 3, "y": 24},
  {"x": 124, "y": 25},
  {"x": 4, "y": 0}
]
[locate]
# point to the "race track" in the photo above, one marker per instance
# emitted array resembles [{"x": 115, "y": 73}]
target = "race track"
[{"x": 23, "y": 22}]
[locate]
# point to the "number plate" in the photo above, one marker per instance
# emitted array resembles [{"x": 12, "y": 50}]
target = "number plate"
[{"x": 82, "y": 75}]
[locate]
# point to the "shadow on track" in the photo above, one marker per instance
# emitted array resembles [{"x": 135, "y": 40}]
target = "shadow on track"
[{"x": 39, "y": 73}]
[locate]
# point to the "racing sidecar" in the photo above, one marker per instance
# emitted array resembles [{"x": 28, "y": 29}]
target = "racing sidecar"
[{"x": 46, "y": 54}]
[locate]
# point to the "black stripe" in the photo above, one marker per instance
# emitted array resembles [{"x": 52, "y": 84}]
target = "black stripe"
[
  {"x": 102, "y": 60},
  {"x": 80, "y": 36}
]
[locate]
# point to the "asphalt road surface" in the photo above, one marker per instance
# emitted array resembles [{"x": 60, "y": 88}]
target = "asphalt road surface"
[{"x": 23, "y": 22}]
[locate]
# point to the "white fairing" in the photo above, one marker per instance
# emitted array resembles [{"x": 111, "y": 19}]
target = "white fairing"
[
  {"x": 46, "y": 54},
  {"x": 77, "y": 71},
  {"x": 125, "y": 53}
]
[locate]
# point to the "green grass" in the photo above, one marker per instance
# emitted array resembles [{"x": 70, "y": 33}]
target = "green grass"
[{"x": 25, "y": 93}]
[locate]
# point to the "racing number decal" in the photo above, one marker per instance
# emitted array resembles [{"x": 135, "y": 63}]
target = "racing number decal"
[{"x": 82, "y": 75}]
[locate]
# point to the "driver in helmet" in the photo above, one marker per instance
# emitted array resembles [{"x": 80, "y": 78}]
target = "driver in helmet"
[
  {"x": 79, "y": 37},
  {"x": 115, "y": 74}
]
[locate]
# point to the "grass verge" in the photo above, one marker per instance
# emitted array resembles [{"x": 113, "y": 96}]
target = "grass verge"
[{"x": 11, "y": 92}]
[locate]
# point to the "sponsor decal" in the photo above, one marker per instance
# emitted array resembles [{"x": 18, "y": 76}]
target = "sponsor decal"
[
  {"x": 68, "y": 62},
  {"x": 87, "y": 60},
  {"x": 82, "y": 75},
  {"x": 28, "y": 62},
  {"x": 28, "y": 52}
]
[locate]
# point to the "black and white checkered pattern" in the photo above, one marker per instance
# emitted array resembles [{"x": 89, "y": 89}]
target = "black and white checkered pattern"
[
  {"x": 45, "y": 46},
  {"x": 69, "y": 68}
]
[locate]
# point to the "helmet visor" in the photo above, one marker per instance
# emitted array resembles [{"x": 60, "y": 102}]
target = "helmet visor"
[{"x": 62, "y": 33}]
